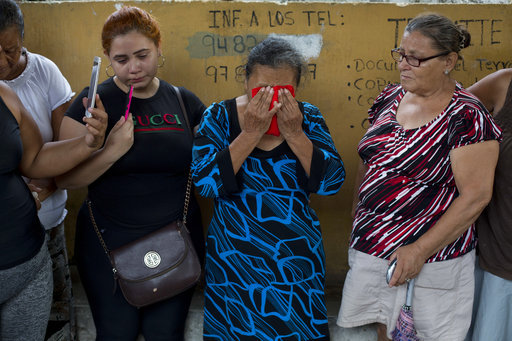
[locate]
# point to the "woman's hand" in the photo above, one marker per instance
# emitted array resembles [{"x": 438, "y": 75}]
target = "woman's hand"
[
  {"x": 474, "y": 161},
  {"x": 410, "y": 260},
  {"x": 120, "y": 139},
  {"x": 289, "y": 120},
  {"x": 289, "y": 116},
  {"x": 35, "y": 193},
  {"x": 43, "y": 187},
  {"x": 117, "y": 143},
  {"x": 96, "y": 125},
  {"x": 257, "y": 117}
]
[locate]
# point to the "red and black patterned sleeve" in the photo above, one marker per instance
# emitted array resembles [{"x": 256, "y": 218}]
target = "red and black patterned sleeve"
[{"x": 471, "y": 123}]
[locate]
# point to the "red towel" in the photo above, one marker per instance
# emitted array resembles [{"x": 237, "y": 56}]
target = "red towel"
[{"x": 274, "y": 129}]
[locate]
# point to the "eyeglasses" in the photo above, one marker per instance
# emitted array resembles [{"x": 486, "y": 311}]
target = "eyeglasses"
[{"x": 398, "y": 55}]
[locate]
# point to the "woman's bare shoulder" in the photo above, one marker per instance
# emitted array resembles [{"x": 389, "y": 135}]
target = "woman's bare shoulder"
[
  {"x": 11, "y": 100},
  {"x": 492, "y": 89}
]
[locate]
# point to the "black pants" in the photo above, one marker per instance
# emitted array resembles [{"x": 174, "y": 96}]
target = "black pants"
[{"x": 115, "y": 319}]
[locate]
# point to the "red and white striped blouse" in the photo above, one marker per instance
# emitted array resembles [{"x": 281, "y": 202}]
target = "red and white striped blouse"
[{"x": 409, "y": 183}]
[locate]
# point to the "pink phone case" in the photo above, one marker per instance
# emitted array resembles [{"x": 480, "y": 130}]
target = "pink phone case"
[{"x": 129, "y": 100}]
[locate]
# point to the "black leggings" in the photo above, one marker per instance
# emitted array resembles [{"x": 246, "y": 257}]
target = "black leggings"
[{"x": 114, "y": 317}]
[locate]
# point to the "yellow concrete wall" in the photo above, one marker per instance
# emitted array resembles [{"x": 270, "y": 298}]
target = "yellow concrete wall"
[{"x": 205, "y": 42}]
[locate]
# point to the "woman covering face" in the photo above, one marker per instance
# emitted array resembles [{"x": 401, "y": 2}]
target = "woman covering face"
[
  {"x": 427, "y": 170},
  {"x": 137, "y": 182},
  {"x": 265, "y": 266}
]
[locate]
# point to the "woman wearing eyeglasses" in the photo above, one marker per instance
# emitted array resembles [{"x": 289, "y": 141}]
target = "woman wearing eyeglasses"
[{"x": 426, "y": 173}]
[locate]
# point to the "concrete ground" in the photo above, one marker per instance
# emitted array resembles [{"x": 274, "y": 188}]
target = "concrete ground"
[{"x": 86, "y": 330}]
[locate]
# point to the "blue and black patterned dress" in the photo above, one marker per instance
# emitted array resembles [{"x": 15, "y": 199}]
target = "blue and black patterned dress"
[{"x": 265, "y": 265}]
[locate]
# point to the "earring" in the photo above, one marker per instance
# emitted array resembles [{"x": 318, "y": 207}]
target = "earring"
[
  {"x": 163, "y": 61},
  {"x": 446, "y": 72},
  {"x": 106, "y": 71}
]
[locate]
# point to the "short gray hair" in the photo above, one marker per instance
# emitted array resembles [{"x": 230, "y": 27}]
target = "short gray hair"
[
  {"x": 275, "y": 52},
  {"x": 445, "y": 35}
]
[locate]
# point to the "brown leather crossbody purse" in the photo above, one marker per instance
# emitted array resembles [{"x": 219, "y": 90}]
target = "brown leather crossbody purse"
[{"x": 159, "y": 265}]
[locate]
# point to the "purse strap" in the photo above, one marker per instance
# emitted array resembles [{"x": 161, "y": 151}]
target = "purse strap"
[
  {"x": 187, "y": 191},
  {"x": 102, "y": 242},
  {"x": 184, "y": 110},
  {"x": 189, "y": 181}
]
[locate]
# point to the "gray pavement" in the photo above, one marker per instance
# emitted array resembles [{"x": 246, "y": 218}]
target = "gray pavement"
[{"x": 86, "y": 330}]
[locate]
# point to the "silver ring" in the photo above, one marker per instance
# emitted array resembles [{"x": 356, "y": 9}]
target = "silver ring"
[
  {"x": 35, "y": 195},
  {"x": 407, "y": 280}
]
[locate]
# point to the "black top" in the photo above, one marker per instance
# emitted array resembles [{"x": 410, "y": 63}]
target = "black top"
[
  {"x": 21, "y": 234},
  {"x": 495, "y": 223},
  {"x": 145, "y": 188}
]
